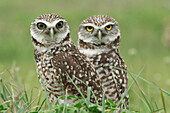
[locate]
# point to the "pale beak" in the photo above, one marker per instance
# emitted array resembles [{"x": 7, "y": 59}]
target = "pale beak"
[
  {"x": 99, "y": 35},
  {"x": 52, "y": 33}
]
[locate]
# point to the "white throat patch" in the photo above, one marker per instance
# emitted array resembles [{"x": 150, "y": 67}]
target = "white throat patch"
[{"x": 91, "y": 52}]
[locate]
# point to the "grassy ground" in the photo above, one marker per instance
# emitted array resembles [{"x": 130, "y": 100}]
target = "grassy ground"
[{"x": 142, "y": 25}]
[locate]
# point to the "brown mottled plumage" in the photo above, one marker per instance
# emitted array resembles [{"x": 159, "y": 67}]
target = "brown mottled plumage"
[
  {"x": 99, "y": 39},
  {"x": 57, "y": 57}
]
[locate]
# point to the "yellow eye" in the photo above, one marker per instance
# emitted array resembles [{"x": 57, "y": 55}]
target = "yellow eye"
[
  {"x": 59, "y": 24},
  {"x": 41, "y": 25},
  {"x": 89, "y": 28},
  {"x": 109, "y": 27}
]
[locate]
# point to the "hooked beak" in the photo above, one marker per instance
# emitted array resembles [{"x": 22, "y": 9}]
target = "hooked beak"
[
  {"x": 99, "y": 34},
  {"x": 52, "y": 33}
]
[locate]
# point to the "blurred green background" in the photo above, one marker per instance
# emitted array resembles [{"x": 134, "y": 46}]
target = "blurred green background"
[{"x": 142, "y": 23}]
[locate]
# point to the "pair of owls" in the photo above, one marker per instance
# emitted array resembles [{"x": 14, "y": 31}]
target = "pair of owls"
[{"x": 95, "y": 63}]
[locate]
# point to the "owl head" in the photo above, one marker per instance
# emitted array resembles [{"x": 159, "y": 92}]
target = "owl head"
[
  {"x": 49, "y": 29},
  {"x": 99, "y": 32}
]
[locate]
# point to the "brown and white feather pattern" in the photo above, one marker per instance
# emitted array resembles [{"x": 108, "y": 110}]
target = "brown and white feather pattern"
[
  {"x": 57, "y": 60},
  {"x": 104, "y": 55},
  {"x": 57, "y": 63},
  {"x": 114, "y": 80},
  {"x": 98, "y": 20}
]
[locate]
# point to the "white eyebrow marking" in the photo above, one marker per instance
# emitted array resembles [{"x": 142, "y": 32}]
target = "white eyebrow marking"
[
  {"x": 98, "y": 27},
  {"x": 51, "y": 24}
]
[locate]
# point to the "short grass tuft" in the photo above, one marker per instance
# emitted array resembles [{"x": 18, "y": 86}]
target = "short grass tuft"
[{"x": 15, "y": 98}]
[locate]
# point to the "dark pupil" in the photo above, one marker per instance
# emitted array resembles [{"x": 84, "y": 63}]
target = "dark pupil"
[
  {"x": 59, "y": 24},
  {"x": 108, "y": 26},
  {"x": 41, "y": 25},
  {"x": 90, "y": 27}
]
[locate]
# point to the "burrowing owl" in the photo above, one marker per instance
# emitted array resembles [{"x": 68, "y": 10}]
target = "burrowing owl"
[
  {"x": 99, "y": 39},
  {"x": 57, "y": 58}
]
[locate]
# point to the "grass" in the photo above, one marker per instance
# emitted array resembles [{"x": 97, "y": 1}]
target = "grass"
[
  {"x": 49, "y": 106},
  {"x": 142, "y": 26},
  {"x": 14, "y": 98}
]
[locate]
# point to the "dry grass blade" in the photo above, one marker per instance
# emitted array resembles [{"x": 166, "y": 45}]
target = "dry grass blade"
[
  {"x": 13, "y": 100},
  {"x": 4, "y": 71},
  {"x": 32, "y": 108},
  {"x": 65, "y": 102},
  {"x": 33, "y": 100},
  {"x": 5, "y": 102},
  {"x": 40, "y": 111}
]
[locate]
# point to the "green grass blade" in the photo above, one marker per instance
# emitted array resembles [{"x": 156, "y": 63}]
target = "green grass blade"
[
  {"x": 19, "y": 97},
  {"x": 4, "y": 92},
  {"x": 8, "y": 90},
  {"x": 0, "y": 97},
  {"x": 21, "y": 110},
  {"x": 26, "y": 96},
  {"x": 77, "y": 88},
  {"x": 163, "y": 101},
  {"x": 130, "y": 84},
  {"x": 11, "y": 84},
  {"x": 48, "y": 102},
  {"x": 146, "y": 100},
  {"x": 30, "y": 103},
  {"x": 141, "y": 98},
  {"x": 18, "y": 100},
  {"x": 135, "y": 81},
  {"x": 91, "y": 90},
  {"x": 31, "y": 96},
  {"x": 4, "y": 97},
  {"x": 156, "y": 105},
  {"x": 88, "y": 96},
  {"x": 164, "y": 91},
  {"x": 159, "y": 110},
  {"x": 103, "y": 103},
  {"x": 41, "y": 105},
  {"x": 65, "y": 103},
  {"x": 95, "y": 98},
  {"x": 62, "y": 86},
  {"x": 38, "y": 101},
  {"x": 14, "y": 80}
]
